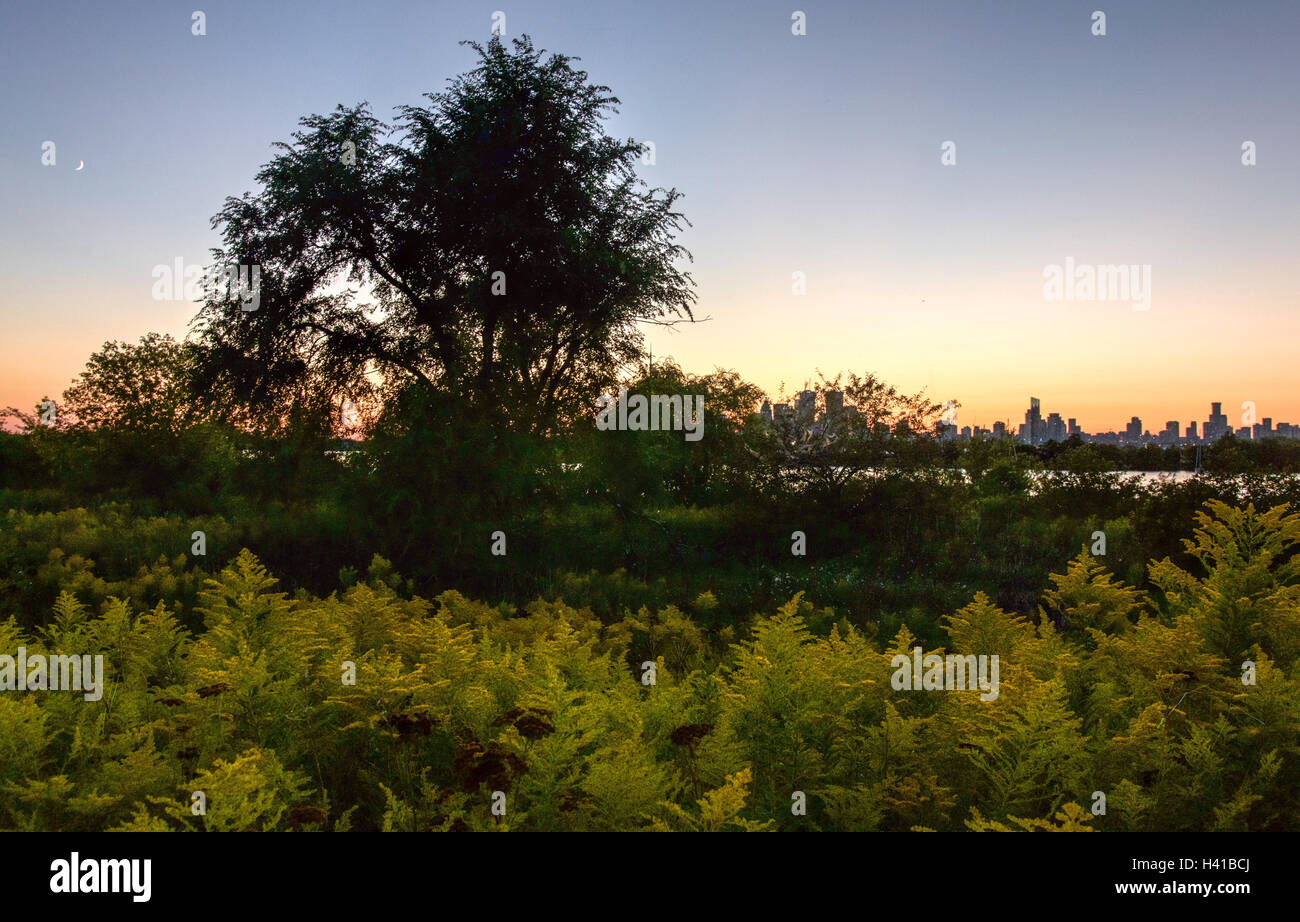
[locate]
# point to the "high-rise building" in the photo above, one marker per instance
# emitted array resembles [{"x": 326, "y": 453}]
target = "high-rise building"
[
  {"x": 834, "y": 403},
  {"x": 805, "y": 405},
  {"x": 1032, "y": 430},
  {"x": 1217, "y": 425},
  {"x": 765, "y": 410},
  {"x": 1054, "y": 428}
]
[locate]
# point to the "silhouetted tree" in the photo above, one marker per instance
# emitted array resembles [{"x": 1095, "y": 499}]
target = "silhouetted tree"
[
  {"x": 494, "y": 246},
  {"x": 142, "y": 386}
]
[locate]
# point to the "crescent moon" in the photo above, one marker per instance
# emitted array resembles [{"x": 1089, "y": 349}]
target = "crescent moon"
[{"x": 80, "y": 164}]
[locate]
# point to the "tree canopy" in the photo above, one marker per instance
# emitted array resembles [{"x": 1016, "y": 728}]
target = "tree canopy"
[
  {"x": 494, "y": 245},
  {"x": 140, "y": 386}
]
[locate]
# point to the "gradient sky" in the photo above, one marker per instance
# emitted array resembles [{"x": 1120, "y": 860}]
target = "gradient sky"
[{"x": 817, "y": 153}]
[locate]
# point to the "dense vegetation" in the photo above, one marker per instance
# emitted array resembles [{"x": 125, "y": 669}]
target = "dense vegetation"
[
  {"x": 1136, "y": 695},
  {"x": 1121, "y": 672},
  {"x": 609, "y": 520}
]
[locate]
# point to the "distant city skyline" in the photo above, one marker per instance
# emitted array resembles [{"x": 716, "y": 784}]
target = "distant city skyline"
[
  {"x": 965, "y": 416},
  {"x": 1037, "y": 430},
  {"x": 1247, "y": 416}
]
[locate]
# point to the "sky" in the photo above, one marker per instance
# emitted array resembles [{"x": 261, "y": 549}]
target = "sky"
[{"x": 819, "y": 154}]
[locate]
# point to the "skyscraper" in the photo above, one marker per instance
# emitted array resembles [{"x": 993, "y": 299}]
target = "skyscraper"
[
  {"x": 1054, "y": 429},
  {"x": 1032, "y": 430},
  {"x": 1217, "y": 425},
  {"x": 805, "y": 405}
]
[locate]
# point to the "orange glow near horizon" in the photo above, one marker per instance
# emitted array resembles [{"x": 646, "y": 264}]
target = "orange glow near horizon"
[{"x": 1098, "y": 362}]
